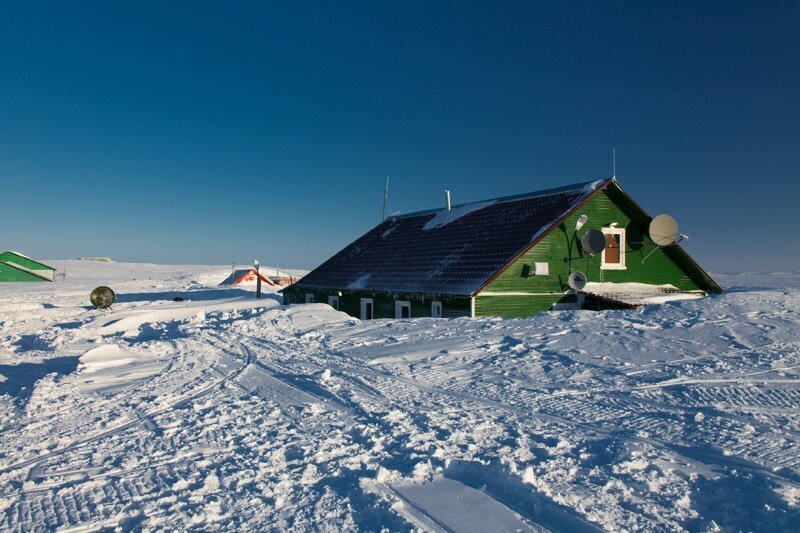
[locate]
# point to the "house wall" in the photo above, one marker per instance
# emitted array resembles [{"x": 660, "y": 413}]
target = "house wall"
[
  {"x": 9, "y": 273},
  {"x": 40, "y": 269},
  {"x": 383, "y": 303},
  {"x": 512, "y": 294}
]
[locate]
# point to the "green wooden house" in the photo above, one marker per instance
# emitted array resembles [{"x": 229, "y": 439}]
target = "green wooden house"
[
  {"x": 508, "y": 257},
  {"x": 17, "y": 267}
]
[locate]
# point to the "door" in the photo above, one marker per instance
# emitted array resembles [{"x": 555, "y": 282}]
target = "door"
[
  {"x": 309, "y": 298},
  {"x": 436, "y": 309},
  {"x": 402, "y": 309},
  {"x": 333, "y": 301},
  {"x": 366, "y": 308}
]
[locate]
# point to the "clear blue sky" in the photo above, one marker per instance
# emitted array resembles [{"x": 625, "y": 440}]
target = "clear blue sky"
[{"x": 210, "y": 132}]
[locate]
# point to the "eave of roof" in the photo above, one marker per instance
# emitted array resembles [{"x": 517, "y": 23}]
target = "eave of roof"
[
  {"x": 715, "y": 287},
  {"x": 28, "y": 258}
]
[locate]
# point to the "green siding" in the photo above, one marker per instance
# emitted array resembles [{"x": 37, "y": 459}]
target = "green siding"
[
  {"x": 383, "y": 303},
  {"x": 9, "y": 273},
  {"x": 518, "y": 306},
  {"x": 539, "y": 293}
]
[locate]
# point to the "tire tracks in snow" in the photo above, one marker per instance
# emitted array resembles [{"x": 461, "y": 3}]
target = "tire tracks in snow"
[
  {"x": 141, "y": 417},
  {"x": 318, "y": 348}
]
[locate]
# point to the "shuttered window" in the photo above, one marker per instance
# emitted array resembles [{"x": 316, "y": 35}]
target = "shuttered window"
[
  {"x": 612, "y": 248},
  {"x": 613, "y": 256}
]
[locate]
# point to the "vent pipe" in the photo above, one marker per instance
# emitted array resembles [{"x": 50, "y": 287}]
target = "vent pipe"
[{"x": 447, "y": 199}]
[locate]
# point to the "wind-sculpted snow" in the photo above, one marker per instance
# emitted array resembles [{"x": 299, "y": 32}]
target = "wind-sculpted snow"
[{"x": 223, "y": 412}]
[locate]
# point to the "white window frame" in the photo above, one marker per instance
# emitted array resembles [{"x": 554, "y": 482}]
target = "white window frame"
[
  {"x": 622, "y": 242},
  {"x": 434, "y": 303},
  {"x": 332, "y": 300},
  {"x": 309, "y": 297},
  {"x": 398, "y": 308},
  {"x": 364, "y": 302}
]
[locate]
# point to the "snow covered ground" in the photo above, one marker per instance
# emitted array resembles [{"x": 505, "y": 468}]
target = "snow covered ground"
[{"x": 226, "y": 412}]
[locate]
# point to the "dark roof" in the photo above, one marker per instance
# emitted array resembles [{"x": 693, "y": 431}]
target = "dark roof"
[{"x": 455, "y": 253}]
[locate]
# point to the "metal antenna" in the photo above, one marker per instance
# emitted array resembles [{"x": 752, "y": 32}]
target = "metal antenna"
[
  {"x": 385, "y": 197},
  {"x": 614, "y": 162}
]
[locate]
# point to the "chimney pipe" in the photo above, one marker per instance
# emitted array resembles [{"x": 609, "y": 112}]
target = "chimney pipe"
[{"x": 447, "y": 199}]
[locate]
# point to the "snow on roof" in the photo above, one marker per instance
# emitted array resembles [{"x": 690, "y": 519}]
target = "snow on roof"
[
  {"x": 447, "y": 253},
  {"x": 636, "y": 294},
  {"x": 28, "y": 258},
  {"x": 445, "y": 217},
  {"x": 237, "y": 275}
]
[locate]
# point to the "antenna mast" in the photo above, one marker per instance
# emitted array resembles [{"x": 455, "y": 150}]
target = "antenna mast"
[
  {"x": 614, "y": 162},
  {"x": 385, "y": 197}
]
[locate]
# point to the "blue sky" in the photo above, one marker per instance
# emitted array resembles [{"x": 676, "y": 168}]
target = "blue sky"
[{"x": 211, "y": 132}]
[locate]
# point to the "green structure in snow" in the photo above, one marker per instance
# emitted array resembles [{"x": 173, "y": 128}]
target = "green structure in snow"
[
  {"x": 17, "y": 267},
  {"x": 508, "y": 257}
]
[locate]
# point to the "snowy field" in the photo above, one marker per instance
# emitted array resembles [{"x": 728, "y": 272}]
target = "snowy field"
[{"x": 223, "y": 412}]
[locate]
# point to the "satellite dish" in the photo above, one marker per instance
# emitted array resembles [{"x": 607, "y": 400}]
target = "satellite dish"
[
  {"x": 593, "y": 242},
  {"x": 577, "y": 280},
  {"x": 580, "y": 222},
  {"x": 663, "y": 230},
  {"x": 102, "y": 297}
]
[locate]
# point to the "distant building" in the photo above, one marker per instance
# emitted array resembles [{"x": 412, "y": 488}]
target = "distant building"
[
  {"x": 17, "y": 267},
  {"x": 282, "y": 280},
  {"x": 245, "y": 275},
  {"x": 507, "y": 257}
]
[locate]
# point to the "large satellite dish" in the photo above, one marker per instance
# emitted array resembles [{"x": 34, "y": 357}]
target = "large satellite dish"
[
  {"x": 663, "y": 230},
  {"x": 102, "y": 297},
  {"x": 593, "y": 242},
  {"x": 577, "y": 280}
]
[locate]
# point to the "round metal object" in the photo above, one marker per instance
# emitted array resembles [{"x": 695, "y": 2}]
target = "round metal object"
[
  {"x": 577, "y": 280},
  {"x": 593, "y": 242},
  {"x": 663, "y": 230},
  {"x": 102, "y": 297}
]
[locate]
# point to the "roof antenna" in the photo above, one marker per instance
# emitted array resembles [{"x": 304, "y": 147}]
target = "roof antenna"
[
  {"x": 385, "y": 197},
  {"x": 613, "y": 162}
]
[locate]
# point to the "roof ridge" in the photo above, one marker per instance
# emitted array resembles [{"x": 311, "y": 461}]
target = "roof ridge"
[{"x": 533, "y": 194}]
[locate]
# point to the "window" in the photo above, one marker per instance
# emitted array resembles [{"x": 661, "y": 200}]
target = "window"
[
  {"x": 402, "y": 309},
  {"x": 333, "y": 301},
  {"x": 309, "y": 298},
  {"x": 613, "y": 256},
  {"x": 289, "y": 299},
  {"x": 436, "y": 309},
  {"x": 366, "y": 309}
]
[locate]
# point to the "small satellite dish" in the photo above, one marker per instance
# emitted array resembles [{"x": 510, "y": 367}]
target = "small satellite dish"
[
  {"x": 580, "y": 222},
  {"x": 593, "y": 242},
  {"x": 577, "y": 280},
  {"x": 102, "y": 297},
  {"x": 663, "y": 230}
]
